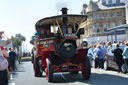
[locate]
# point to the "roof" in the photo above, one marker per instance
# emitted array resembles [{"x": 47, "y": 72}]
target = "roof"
[
  {"x": 124, "y": 26},
  {"x": 119, "y": 29},
  {"x": 94, "y": 6},
  {"x": 52, "y": 20},
  {"x": 103, "y": 7}
]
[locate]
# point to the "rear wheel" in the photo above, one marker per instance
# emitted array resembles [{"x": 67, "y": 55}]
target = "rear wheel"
[
  {"x": 37, "y": 69},
  {"x": 49, "y": 72},
  {"x": 86, "y": 69}
]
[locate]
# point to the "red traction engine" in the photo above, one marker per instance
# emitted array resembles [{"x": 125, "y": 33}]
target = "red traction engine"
[{"x": 62, "y": 51}]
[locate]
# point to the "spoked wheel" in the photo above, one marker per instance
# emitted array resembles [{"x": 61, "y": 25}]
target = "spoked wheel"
[
  {"x": 49, "y": 70},
  {"x": 36, "y": 66},
  {"x": 86, "y": 69}
]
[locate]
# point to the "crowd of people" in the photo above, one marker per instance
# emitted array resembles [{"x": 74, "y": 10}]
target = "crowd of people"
[
  {"x": 8, "y": 59},
  {"x": 99, "y": 51}
]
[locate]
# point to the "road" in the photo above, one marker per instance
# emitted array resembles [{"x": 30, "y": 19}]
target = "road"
[{"x": 24, "y": 76}]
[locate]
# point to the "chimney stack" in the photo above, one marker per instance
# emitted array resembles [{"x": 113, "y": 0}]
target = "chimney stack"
[
  {"x": 64, "y": 10},
  {"x": 65, "y": 18}
]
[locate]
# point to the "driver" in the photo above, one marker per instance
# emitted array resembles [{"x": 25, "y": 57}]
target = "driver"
[
  {"x": 48, "y": 33},
  {"x": 43, "y": 33}
]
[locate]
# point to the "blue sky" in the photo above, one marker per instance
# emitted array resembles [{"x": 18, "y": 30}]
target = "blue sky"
[{"x": 20, "y": 16}]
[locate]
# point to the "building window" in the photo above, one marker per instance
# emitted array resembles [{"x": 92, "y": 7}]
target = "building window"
[
  {"x": 119, "y": 13},
  {"x": 104, "y": 2},
  {"x": 97, "y": 28},
  {"x": 104, "y": 15},
  {"x": 97, "y": 16},
  {"x": 118, "y": 1},
  {"x": 89, "y": 18},
  {"x": 112, "y": 14},
  {"x": 93, "y": 28},
  {"x": 105, "y": 27},
  {"x": 112, "y": 25},
  {"x": 119, "y": 23},
  {"x": 109, "y": 1},
  {"x": 94, "y": 17}
]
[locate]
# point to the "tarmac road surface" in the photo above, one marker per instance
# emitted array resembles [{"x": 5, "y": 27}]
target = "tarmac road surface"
[{"x": 24, "y": 76}]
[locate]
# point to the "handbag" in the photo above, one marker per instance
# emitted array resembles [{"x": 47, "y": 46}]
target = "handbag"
[{"x": 3, "y": 63}]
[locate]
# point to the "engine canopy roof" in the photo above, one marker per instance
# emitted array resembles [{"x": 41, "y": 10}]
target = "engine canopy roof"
[{"x": 48, "y": 21}]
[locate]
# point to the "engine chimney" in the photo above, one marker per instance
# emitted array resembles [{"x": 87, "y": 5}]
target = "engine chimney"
[
  {"x": 65, "y": 19},
  {"x": 64, "y": 10}
]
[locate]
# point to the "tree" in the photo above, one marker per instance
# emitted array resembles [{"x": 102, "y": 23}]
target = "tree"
[{"x": 17, "y": 40}]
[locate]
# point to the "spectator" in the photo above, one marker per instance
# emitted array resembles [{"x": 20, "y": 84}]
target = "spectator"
[
  {"x": 109, "y": 46},
  {"x": 90, "y": 54},
  {"x": 125, "y": 54},
  {"x": 9, "y": 50},
  {"x": 94, "y": 56},
  {"x": 100, "y": 56},
  {"x": 4, "y": 73},
  {"x": 12, "y": 59},
  {"x": 103, "y": 46},
  {"x": 118, "y": 56},
  {"x": 5, "y": 52}
]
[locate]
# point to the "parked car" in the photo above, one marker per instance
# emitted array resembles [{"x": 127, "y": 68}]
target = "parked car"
[{"x": 110, "y": 61}]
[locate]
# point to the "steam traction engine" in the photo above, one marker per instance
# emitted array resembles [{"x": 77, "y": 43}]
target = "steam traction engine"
[{"x": 61, "y": 52}]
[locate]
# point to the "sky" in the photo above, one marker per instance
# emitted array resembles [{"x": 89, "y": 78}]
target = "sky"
[{"x": 20, "y": 16}]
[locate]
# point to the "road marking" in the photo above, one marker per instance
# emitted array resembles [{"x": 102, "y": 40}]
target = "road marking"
[
  {"x": 11, "y": 79},
  {"x": 11, "y": 76}
]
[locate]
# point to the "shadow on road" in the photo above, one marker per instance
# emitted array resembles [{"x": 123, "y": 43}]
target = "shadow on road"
[
  {"x": 95, "y": 79},
  {"x": 19, "y": 68},
  {"x": 24, "y": 72},
  {"x": 106, "y": 79}
]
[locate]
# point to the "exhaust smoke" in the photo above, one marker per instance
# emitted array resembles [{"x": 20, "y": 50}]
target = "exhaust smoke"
[{"x": 61, "y": 5}]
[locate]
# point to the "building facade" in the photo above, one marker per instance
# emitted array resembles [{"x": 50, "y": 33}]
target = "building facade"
[
  {"x": 103, "y": 15},
  {"x": 126, "y": 11}
]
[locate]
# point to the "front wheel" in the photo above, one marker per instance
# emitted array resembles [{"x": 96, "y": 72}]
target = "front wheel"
[
  {"x": 37, "y": 70},
  {"x": 86, "y": 69},
  {"x": 49, "y": 72}
]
